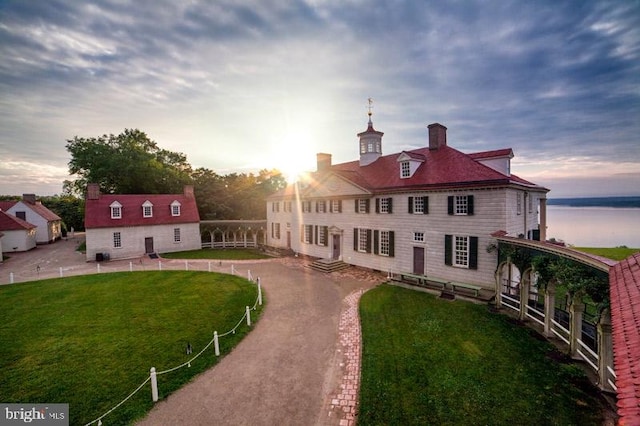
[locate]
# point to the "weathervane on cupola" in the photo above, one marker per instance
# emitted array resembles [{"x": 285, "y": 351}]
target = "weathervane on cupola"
[{"x": 370, "y": 140}]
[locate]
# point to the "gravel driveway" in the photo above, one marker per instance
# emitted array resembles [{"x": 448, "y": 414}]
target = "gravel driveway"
[{"x": 287, "y": 371}]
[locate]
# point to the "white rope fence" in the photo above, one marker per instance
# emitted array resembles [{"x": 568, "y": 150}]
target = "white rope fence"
[{"x": 214, "y": 341}]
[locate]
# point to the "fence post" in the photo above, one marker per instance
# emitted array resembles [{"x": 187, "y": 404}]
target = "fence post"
[
  {"x": 576, "y": 311},
  {"x": 248, "y": 316},
  {"x": 98, "y": 268},
  {"x": 216, "y": 345},
  {"x": 209, "y": 266},
  {"x": 61, "y": 272},
  {"x": 130, "y": 266},
  {"x": 11, "y": 278},
  {"x": 549, "y": 308},
  {"x": 160, "y": 265},
  {"x": 186, "y": 265},
  {"x": 154, "y": 385},
  {"x": 259, "y": 292},
  {"x": 605, "y": 350},
  {"x": 233, "y": 270},
  {"x": 249, "y": 277}
]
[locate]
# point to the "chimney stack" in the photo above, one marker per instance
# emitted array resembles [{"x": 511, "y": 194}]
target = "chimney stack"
[
  {"x": 437, "y": 136},
  {"x": 93, "y": 191},
  {"x": 29, "y": 198},
  {"x": 323, "y": 161},
  {"x": 188, "y": 191}
]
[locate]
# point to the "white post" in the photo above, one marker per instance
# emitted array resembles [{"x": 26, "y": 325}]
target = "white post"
[
  {"x": 248, "y": 316},
  {"x": 216, "y": 346},
  {"x": 259, "y": 292},
  {"x": 98, "y": 268},
  {"x": 209, "y": 266},
  {"x": 154, "y": 385},
  {"x": 130, "y": 266},
  {"x": 11, "y": 278},
  {"x": 159, "y": 265},
  {"x": 61, "y": 271},
  {"x": 233, "y": 270},
  {"x": 186, "y": 265},
  {"x": 249, "y": 276}
]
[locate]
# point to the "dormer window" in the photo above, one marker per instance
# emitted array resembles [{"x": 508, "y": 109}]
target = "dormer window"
[
  {"x": 116, "y": 210},
  {"x": 409, "y": 163},
  {"x": 175, "y": 208},
  {"x": 147, "y": 209}
]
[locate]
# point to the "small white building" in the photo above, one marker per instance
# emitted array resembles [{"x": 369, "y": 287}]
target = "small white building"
[
  {"x": 49, "y": 224},
  {"x": 430, "y": 211},
  {"x": 120, "y": 226},
  {"x": 17, "y": 234}
]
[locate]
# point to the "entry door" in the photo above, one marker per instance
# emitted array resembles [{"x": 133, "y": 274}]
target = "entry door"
[
  {"x": 336, "y": 247},
  {"x": 148, "y": 245},
  {"x": 288, "y": 239},
  {"x": 418, "y": 260}
]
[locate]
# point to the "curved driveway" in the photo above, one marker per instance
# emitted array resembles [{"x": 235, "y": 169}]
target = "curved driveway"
[{"x": 287, "y": 371}]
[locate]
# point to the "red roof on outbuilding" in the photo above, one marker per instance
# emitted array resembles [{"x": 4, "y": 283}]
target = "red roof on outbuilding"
[
  {"x": 98, "y": 211},
  {"x": 624, "y": 284},
  {"x": 9, "y": 222}
]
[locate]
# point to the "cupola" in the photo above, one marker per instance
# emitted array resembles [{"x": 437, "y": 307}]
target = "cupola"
[{"x": 370, "y": 142}]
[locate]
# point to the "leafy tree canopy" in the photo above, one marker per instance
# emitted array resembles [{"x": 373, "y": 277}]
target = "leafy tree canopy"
[{"x": 128, "y": 163}]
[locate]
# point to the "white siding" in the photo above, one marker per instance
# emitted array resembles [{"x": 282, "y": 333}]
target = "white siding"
[
  {"x": 18, "y": 240},
  {"x": 100, "y": 240},
  {"x": 46, "y": 231}
]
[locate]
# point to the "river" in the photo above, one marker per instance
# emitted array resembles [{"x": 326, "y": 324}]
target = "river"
[{"x": 594, "y": 226}]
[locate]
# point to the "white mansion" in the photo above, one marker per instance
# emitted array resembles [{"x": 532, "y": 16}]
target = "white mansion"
[{"x": 432, "y": 211}]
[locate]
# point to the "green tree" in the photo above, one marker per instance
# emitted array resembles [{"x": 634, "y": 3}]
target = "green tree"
[{"x": 128, "y": 163}]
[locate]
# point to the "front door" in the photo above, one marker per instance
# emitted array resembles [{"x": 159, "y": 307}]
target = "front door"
[
  {"x": 148, "y": 245},
  {"x": 418, "y": 260},
  {"x": 289, "y": 240},
  {"x": 336, "y": 247}
]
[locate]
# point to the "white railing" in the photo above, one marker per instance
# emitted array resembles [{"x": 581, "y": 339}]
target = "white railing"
[
  {"x": 534, "y": 314},
  {"x": 560, "y": 336},
  {"x": 516, "y": 302},
  {"x": 612, "y": 373},
  {"x": 592, "y": 360}
]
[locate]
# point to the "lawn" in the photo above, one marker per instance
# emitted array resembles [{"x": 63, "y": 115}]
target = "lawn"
[
  {"x": 89, "y": 341},
  {"x": 430, "y": 361},
  {"x": 614, "y": 253},
  {"x": 218, "y": 254}
]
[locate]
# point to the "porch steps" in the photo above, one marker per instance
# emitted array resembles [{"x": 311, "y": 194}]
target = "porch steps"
[{"x": 328, "y": 265}]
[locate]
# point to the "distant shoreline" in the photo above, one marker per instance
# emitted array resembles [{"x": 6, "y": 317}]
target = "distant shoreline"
[{"x": 618, "y": 202}]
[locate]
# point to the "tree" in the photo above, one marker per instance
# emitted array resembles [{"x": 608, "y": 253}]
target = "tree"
[
  {"x": 129, "y": 163},
  {"x": 69, "y": 208}
]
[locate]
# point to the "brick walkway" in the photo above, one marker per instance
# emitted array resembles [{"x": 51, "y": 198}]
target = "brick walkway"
[{"x": 344, "y": 405}]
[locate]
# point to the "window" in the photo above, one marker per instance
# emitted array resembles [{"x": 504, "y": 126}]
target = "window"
[
  {"x": 21, "y": 215},
  {"x": 176, "y": 235},
  {"x": 418, "y": 237},
  {"x": 384, "y": 243},
  {"x": 307, "y": 234},
  {"x": 287, "y": 206},
  {"x": 306, "y": 206},
  {"x": 336, "y": 206},
  {"x": 116, "y": 210},
  {"x": 275, "y": 207},
  {"x": 175, "y": 208},
  {"x": 147, "y": 209},
  {"x": 460, "y": 205},
  {"x": 461, "y": 251},
  {"x": 405, "y": 169},
  {"x": 363, "y": 241},
  {"x": 418, "y": 205},
  {"x": 362, "y": 205},
  {"x": 384, "y": 205},
  {"x": 530, "y": 203},
  {"x": 321, "y": 238},
  {"x": 519, "y": 203},
  {"x": 275, "y": 230},
  {"x": 321, "y": 206},
  {"x": 117, "y": 240}
]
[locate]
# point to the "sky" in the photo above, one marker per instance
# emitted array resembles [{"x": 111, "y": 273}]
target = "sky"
[{"x": 239, "y": 86}]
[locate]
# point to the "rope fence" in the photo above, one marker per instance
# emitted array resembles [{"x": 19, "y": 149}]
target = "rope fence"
[{"x": 209, "y": 266}]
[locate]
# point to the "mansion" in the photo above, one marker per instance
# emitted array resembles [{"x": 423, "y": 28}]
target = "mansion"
[{"x": 432, "y": 211}]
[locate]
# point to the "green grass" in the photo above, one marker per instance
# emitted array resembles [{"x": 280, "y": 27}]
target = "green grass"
[
  {"x": 89, "y": 341},
  {"x": 221, "y": 254},
  {"x": 614, "y": 253},
  {"x": 430, "y": 361}
]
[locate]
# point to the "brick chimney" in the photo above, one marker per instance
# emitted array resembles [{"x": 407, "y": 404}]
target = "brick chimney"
[
  {"x": 323, "y": 161},
  {"x": 93, "y": 191},
  {"x": 188, "y": 191},
  {"x": 437, "y": 136},
  {"x": 29, "y": 198}
]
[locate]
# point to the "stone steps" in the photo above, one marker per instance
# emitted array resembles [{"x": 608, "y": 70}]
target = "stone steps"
[{"x": 328, "y": 265}]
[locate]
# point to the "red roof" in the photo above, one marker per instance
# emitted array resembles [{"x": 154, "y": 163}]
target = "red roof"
[
  {"x": 6, "y": 205},
  {"x": 98, "y": 211},
  {"x": 443, "y": 168},
  {"x": 43, "y": 212},
  {"x": 9, "y": 222},
  {"x": 498, "y": 153},
  {"x": 624, "y": 283}
]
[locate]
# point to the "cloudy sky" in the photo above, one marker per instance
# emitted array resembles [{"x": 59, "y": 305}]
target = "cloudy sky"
[{"x": 239, "y": 86}]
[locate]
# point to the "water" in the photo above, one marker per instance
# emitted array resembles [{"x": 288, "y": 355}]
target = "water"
[{"x": 594, "y": 226}]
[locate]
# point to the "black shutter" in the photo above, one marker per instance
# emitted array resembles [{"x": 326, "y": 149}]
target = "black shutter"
[
  {"x": 448, "y": 243},
  {"x": 302, "y": 233},
  {"x": 325, "y": 231},
  {"x": 390, "y": 205},
  {"x": 376, "y": 245},
  {"x": 450, "y": 204},
  {"x": 317, "y": 202},
  {"x": 425, "y": 202},
  {"x": 367, "y": 203},
  {"x": 355, "y": 239},
  {"x": 355, "y": 207},
  {"x": 314, "y": 234},
  {"x": 473, "y": 252},
  {"x": 377, "y": 205},
  {"x": 410, "y": 205},
  {"x": 368, "y": 240},
  {"x": 339, "y": 206},
  {"x": 470, "y": 205},
  {"x": 392, "y": 250}
]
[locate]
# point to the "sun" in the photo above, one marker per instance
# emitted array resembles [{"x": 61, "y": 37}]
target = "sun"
[{"x": 295, "y": 155}]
